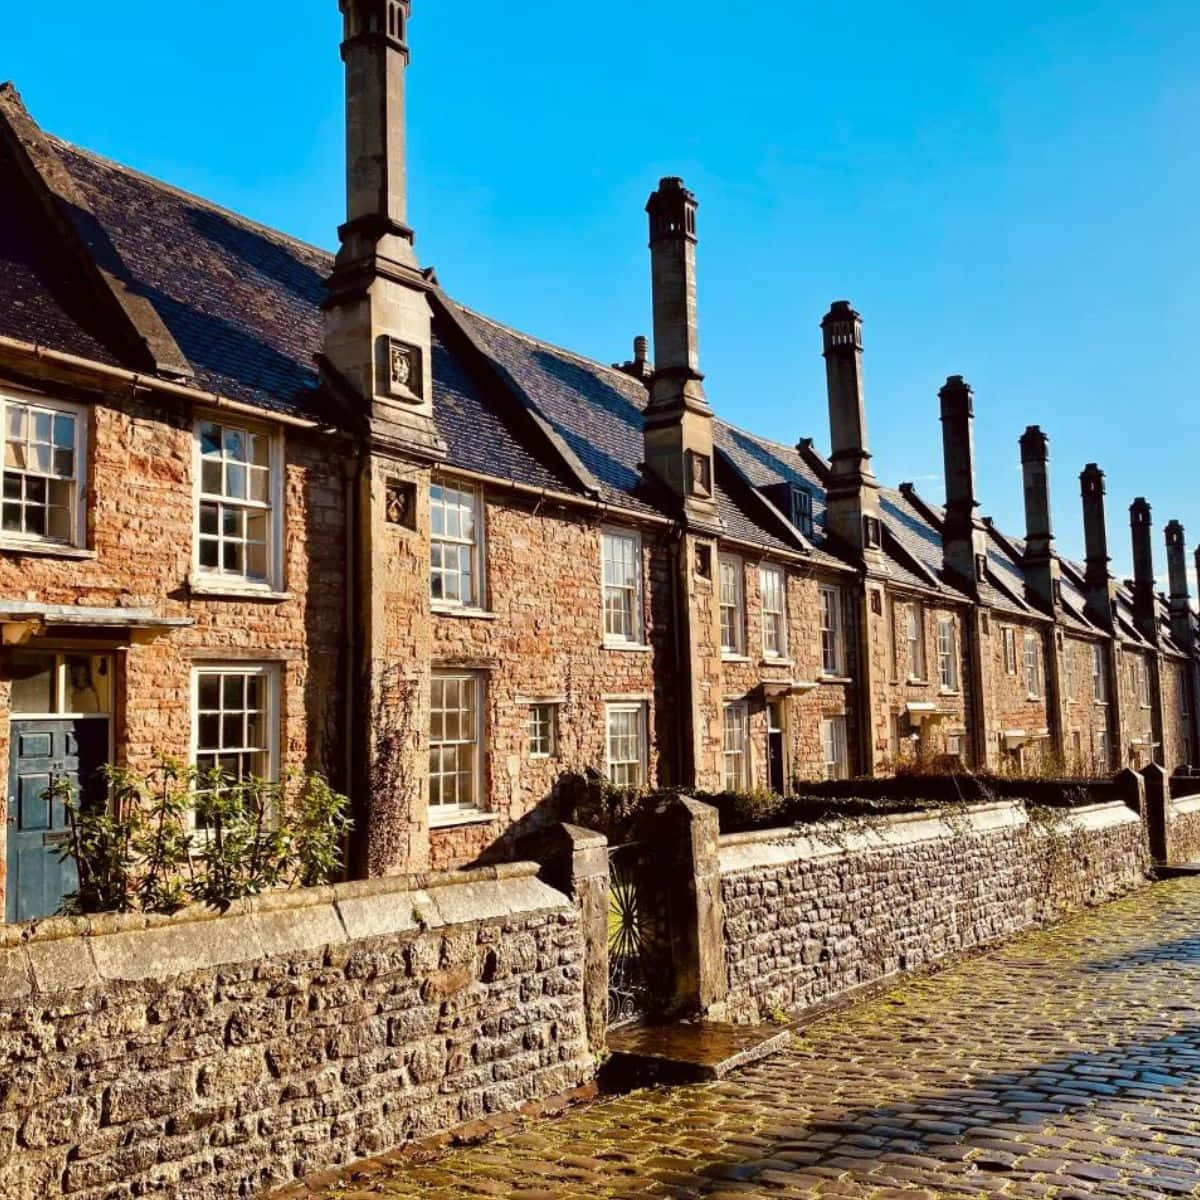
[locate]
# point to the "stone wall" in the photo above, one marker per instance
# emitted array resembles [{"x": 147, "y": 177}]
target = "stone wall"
[
  {"x": 1008, "y": 704},
  {"x": 811, "y": 916},
  {"x": 541, "y": 638},
  {"x": 1183, "y": 832},
  {"x": 742, "y": 675},
  {"x": 297, "y": 1032}
]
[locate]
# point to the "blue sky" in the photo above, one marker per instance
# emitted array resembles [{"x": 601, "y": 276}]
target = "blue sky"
[{"x": 1006, "y": 191}]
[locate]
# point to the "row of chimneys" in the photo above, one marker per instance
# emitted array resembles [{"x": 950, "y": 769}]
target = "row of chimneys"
[
  {"x": 852, "y": 495},
  {"x": 377, "y": 245}
]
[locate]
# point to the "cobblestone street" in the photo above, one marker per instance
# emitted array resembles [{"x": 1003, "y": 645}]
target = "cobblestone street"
[{"x": 1065, "y": 1064}]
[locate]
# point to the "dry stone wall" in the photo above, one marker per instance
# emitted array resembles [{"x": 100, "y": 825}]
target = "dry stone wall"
[
  {"x": 207, "y": 1057},
  {"x": 810, "y": 917}
]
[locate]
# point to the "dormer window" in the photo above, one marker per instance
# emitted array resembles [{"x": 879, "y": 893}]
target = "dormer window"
[{"x": 802, "y": 510}]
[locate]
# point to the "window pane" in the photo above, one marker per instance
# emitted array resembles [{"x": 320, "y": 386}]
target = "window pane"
[
  {"x": 210, "y": 478},
  {"x": 89, "y": 684},
  {"x": 64, "y": 431},
  {"x": 34, "y": 684}
]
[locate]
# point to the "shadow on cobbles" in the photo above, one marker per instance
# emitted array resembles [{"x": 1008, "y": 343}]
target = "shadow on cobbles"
[
  {"x": 1179, "y": 950},
  {"x": 935, "y": 1131}
]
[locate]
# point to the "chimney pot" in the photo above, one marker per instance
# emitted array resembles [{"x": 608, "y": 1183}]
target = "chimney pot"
[{"x": 641, "y": 349}]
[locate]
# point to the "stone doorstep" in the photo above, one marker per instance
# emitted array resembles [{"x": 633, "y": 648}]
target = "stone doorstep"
[
  {"x": 687, "y": 1051},
  {"x": 471, "y": 1134}
]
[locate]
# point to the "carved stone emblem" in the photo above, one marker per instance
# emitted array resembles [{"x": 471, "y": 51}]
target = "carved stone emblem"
[{"x": 404, "y": 370}]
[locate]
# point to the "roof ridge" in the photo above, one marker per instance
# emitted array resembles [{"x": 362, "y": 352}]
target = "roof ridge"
[
  {"x": 194, "y": 197},
  {"x": 607, "y": 368},
  {"x": 758, "y": 437}
]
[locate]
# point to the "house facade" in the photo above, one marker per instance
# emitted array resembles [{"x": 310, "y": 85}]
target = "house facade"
[{"x": 270, "y": 509}]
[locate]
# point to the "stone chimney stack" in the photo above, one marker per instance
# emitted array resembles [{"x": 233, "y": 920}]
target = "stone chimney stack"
[
  {"x": 377, "y": 313},
  {"x": 852, "y": 496},
  {"x": 964, "y": 538},
  {"x": 1181, "y": 600},
  {"x": 1099, "y": 584},
  {"x": 678, "y": 424},
  {"x": 1144, "y": 614},
  {"x": 1042, "y": 570}
]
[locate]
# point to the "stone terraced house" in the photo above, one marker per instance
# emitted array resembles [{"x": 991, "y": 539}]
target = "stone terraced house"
[{"x": 270, "y": 508}]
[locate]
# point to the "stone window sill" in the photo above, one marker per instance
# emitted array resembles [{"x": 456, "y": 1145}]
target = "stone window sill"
[
  {"x": 949, "y": 692},
  {"x": 46, "y": 550},
  {"x": 729, "y": 657},
  {"x": 629, "y": 647},
  {"x": 215, "y": 590},
  {"x": 467, "y": 614},
  {"x": 912, "y": 682},
  {"x": 777, "y": 662},
  {"x": 455, "y": 820},
  {"x": 841, "y": 679}
]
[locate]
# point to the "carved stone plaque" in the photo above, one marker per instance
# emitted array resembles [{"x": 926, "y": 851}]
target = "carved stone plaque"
[{"x": 404, "y": 371}]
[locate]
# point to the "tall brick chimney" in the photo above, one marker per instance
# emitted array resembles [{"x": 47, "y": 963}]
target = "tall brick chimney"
[
  {"x": 1100, "y": 587},
  {"x": 1144, "y": 615},
  {"x": 678, "y": 424},
  {"x": 1181, "y": 600},
  {"x": 964, "y": 538},
  {"x": 852, "y": 495},
  {"x": 1042, "y": 570},
  {"x": 377, "y": 314}
]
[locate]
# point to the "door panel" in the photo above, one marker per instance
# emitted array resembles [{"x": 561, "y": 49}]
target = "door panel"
[{"x": 42, "y": 751}]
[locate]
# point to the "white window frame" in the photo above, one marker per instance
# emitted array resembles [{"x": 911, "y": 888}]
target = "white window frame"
[
  {"x": 448, "y": 814},
  {"x": 947, "y": 654},
  {"x": 542, "y": 733},
  {"x": 835, "y": 749},
  {"x": 635, "y": 635},
  {"x": 915, "y": 660},
  {"x": 637, "y": 709},
  {"x": 833, "y": 631},
  {"x": 1101, "y": 749},
  {"x": 1071, "y": 681},
  {"x": 473, "y": 545},
  {"x": 1008, "y": 636},
  {"x": 1099, "y": 673},
  {"x": 217, "y": 576},
  {"x": 736, "y": 645},
  {"x": 774, "y": 620},
  {"x": 78, "y": 504},
  {"x": 1033, "y": 667},
  {"x": 735, "y": 740},
  {"x": 271, "y": 674},
  {"x": 1142, "y": 675}
]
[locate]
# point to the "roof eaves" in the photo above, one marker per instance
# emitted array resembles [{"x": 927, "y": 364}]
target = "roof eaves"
[{"x": 143, "y": 328}]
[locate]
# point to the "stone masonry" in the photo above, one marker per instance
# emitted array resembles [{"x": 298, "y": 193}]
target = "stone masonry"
[
  {"x": 203, "y": 1057},
  {"x": 810, "y": 917}
]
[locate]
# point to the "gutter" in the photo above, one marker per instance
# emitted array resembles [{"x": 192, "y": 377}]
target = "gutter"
[{"x": 10, "y": 347}]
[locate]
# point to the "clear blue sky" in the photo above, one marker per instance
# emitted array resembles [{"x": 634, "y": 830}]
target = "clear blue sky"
[{"x": 1005, "y": 190}]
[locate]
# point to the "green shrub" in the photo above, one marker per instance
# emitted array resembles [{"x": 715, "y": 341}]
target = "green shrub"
[{"x": 176, "y": 835}]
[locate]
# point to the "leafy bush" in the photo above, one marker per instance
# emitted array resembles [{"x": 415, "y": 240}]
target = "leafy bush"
[{"x": 177, "y": 835}]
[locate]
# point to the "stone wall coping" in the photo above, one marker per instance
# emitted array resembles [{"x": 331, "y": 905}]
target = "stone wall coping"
[
  {"x": 1186, "y": 806},
  {"x": 1096, "y": 817},
  {"x": 65, "y": 953},
  {"x": 775, "y": 847}
]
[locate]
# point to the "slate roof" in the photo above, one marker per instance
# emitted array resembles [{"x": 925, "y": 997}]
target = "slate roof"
[
  {"x": 243, "y": 302},
  {"x": 40, "y": 298}
]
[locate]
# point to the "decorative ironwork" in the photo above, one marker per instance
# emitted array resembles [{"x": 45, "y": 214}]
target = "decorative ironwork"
[{"x": 629, "y": 992}]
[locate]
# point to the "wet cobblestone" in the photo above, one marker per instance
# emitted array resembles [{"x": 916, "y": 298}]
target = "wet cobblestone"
[{"x": 1066, "y": 1064}]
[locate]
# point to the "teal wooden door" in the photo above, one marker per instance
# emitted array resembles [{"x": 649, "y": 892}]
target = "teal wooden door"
[{"x": 43, "y": 750}]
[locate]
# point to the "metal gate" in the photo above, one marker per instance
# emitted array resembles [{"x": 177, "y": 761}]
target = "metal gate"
[{"x": 633, "y": 939}]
